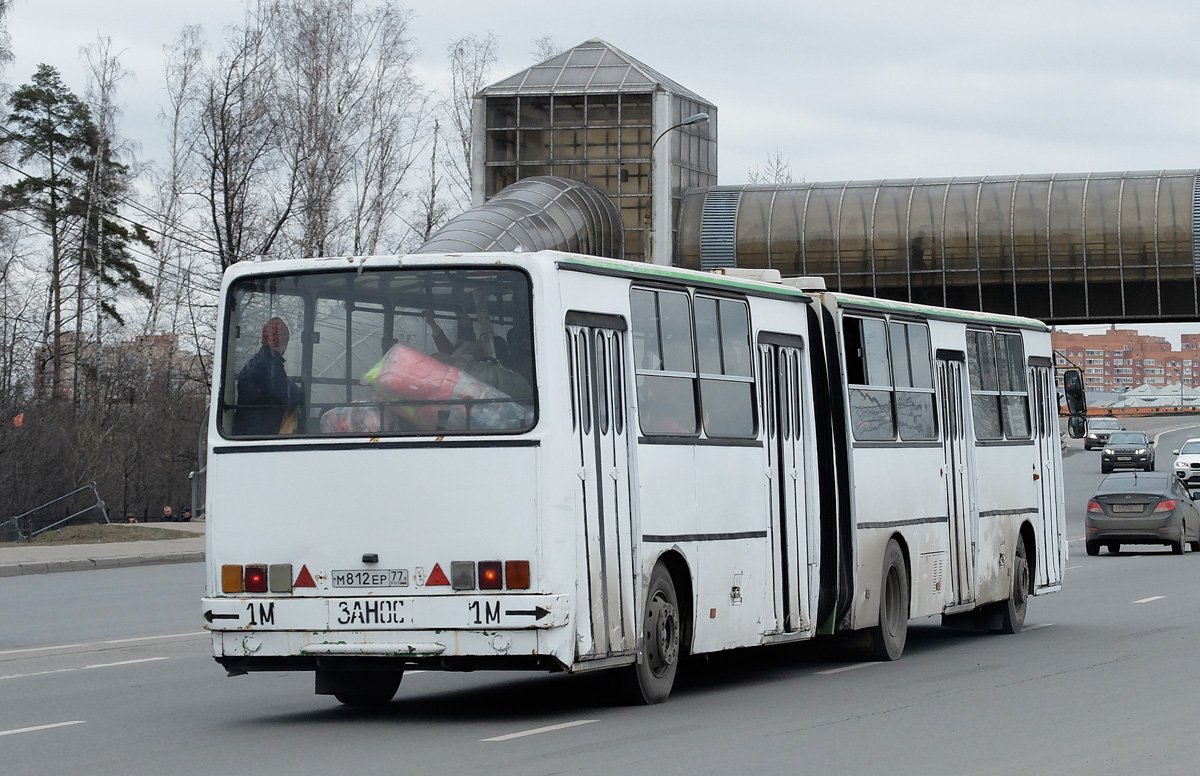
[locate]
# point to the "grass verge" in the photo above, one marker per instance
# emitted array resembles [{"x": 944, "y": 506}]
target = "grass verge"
[{"x": 100, "y": 534}]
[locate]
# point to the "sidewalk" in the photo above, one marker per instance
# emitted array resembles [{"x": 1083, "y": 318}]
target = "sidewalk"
[{"x": 43, "y": 559}]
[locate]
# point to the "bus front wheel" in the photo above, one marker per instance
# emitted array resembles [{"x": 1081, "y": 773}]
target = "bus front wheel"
[
  {"x": 662, "y": 626},
  {"x": 888, "y": 637}
]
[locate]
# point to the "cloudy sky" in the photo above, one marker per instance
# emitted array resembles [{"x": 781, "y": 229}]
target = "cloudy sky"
[
  {"x": 858, "y": 89},
  {"x": 849, "y": 90}
]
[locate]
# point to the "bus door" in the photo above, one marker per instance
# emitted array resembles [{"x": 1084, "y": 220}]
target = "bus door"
[
  {"x": 956, "y": 464},
  {"x": 599, "y": 406},
  {"x": 780, "y": 358},
  {"x": 1044, "y": 403}
]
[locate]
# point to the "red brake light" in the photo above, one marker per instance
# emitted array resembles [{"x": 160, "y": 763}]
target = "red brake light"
[
  {"x": 489, "y": 575},
  {"x": 256, "y": 579},
  {"x": 1094, "y": 506},
  {"x": 1166, "y": 505}
]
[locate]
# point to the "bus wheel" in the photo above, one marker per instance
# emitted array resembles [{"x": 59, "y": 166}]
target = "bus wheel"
[
  {"x": 887, "y": 638},
  {"x": 661, "y": 635},
  {"x": 362, "y": 689},
  {"x": 1012, "y": 616}
]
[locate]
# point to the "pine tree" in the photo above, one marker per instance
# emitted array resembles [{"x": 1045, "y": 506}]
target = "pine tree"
[
  {"x": 48, "y": 126},
  {"x": 71, "y": 185}
]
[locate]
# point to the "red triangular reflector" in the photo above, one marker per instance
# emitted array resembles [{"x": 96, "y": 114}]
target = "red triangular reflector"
[
  {"x": 304, "y": 579},
  {"x": 437, "y": 576}
]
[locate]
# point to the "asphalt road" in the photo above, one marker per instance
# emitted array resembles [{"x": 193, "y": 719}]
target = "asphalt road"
[{"x": 107, "y": 672}]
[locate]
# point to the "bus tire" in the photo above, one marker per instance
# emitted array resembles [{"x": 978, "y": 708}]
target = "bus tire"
[
  {"x": 1012, "y": 615},
  {"x": 888, "y": 637},
  {"x": 661, "y": 636},
  {"x": 360, "y": 689}
]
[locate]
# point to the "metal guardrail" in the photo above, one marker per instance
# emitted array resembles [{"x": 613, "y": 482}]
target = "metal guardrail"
[{"x": 25, "y": 518}]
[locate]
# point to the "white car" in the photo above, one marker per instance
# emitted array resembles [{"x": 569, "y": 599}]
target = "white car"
[{"x": 1187, "y": 463}]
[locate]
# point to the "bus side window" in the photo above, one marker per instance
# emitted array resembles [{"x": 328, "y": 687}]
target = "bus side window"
[
  {"x": 726, "y": 383},
  {"x": 914, "y": 381},
  {"x": 985, "y": 384},
  {"x": 666, "y": 371},
  {"x": 869, "y": 378}
]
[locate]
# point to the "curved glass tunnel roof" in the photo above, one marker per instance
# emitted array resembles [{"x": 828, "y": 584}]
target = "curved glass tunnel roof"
[
  {"x": 1062, "y": 248},
  {"x": 533, "y": 214}
]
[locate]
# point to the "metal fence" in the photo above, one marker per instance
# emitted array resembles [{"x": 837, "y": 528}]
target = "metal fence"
[{"x": 82, "y": 505}]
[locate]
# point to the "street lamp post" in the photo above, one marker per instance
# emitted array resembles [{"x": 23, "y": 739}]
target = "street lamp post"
[{"x": 695, "y": 118}]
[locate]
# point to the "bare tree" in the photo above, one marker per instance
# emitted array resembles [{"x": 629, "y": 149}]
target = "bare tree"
[
  {"x": 545, "y": 48},
  {"x": 776, "y": 170},
  {"x": 431, "y": 208},
  {"x": 176, "y": 242},
  {"x": 6, "y": 54},
  {"x": 397, "y": 115},
  {"x": 105, "y": 74},
  {"x": 353, "y": 116},
  {"x": 239, "y": 149},
  {"x": 471, "y": 59}
]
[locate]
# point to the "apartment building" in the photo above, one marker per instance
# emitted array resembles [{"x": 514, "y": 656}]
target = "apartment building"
[{"x": 1120, "y": 359}]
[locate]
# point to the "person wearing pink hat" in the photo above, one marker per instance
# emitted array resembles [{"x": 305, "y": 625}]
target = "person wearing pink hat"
[{"x": 266, "y": 396}]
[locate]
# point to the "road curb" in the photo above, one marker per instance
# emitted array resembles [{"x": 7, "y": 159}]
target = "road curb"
[{"x": 91, "y": 564}]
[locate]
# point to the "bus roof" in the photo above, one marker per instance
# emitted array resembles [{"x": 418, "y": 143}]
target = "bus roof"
[
  {"x": 628, "y": 269},
  {"x": 854, "y": 301}
]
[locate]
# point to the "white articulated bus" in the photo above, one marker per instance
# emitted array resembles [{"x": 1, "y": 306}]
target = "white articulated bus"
[{"x": 555, "y": 462}]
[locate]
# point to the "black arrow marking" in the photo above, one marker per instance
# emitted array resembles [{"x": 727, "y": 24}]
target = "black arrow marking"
[
  {"x": 537, "y": 612},
  {"x": 210, "y": 616}
]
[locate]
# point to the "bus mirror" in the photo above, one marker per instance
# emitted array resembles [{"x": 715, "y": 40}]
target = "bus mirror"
[
  {"x": 1076, "y": 426},
  {"x": 1073, "y": 389}
]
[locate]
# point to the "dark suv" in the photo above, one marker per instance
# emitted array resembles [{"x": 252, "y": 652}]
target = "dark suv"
[
  {"x": 1127, "y": 450},
  {"x": 1098, "y": 430}
]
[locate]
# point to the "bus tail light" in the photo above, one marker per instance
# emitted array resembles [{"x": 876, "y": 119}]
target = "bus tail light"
[
  {"x": 490, "y": 577},
  {"x": 256, "y": 579},
  {"x": 231, "y": 579},
  {"x": 279, "y": 577},
  {"x": 516, "y": 574},
  {"x": 462, "y": 575}
]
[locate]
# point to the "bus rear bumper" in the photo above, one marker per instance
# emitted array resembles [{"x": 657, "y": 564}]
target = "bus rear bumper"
[{"x": 245, "y": 651}]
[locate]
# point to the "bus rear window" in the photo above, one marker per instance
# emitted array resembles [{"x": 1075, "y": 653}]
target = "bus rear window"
[{"x": 396, "y": 352}]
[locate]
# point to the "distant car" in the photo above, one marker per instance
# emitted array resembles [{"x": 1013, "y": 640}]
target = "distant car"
[
  {"x": 1098, "y": 430},
  {"x": 1187, "y": 464},
  {"x": 1141, "y": 508},
  {"x": 1127, "y": 450}
]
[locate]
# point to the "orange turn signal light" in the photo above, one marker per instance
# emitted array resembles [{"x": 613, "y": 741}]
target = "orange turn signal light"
[
  {"x": 231, "y": 579},
  {"x": 516, "y": 574}
]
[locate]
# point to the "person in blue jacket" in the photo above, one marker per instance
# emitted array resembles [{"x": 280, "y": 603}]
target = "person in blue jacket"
[{"x": 265, "y": 394}]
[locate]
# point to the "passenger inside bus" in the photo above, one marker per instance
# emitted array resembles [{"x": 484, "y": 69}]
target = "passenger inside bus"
[{"x": 266, "y": 397}]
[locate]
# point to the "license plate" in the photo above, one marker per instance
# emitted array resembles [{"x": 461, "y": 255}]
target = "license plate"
[
  {"x": 1124, "y": 458},
  {"x": 369, "y": 577},
  {"x": 1126, "y": 507}
]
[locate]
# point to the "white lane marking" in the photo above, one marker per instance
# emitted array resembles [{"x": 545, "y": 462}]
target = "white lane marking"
[
  {"x": 1028, "y": 628},
  {"x": 1072, "y": 568},
  {"x": 41, "y": 727},
  {"x": 850, "y": 668},
  {"x": 1151, "y": 598},
  {"x": 82, "y": 668},
  {"x": 109, "y": 643},
  {"x": 547, "y": 729}
]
